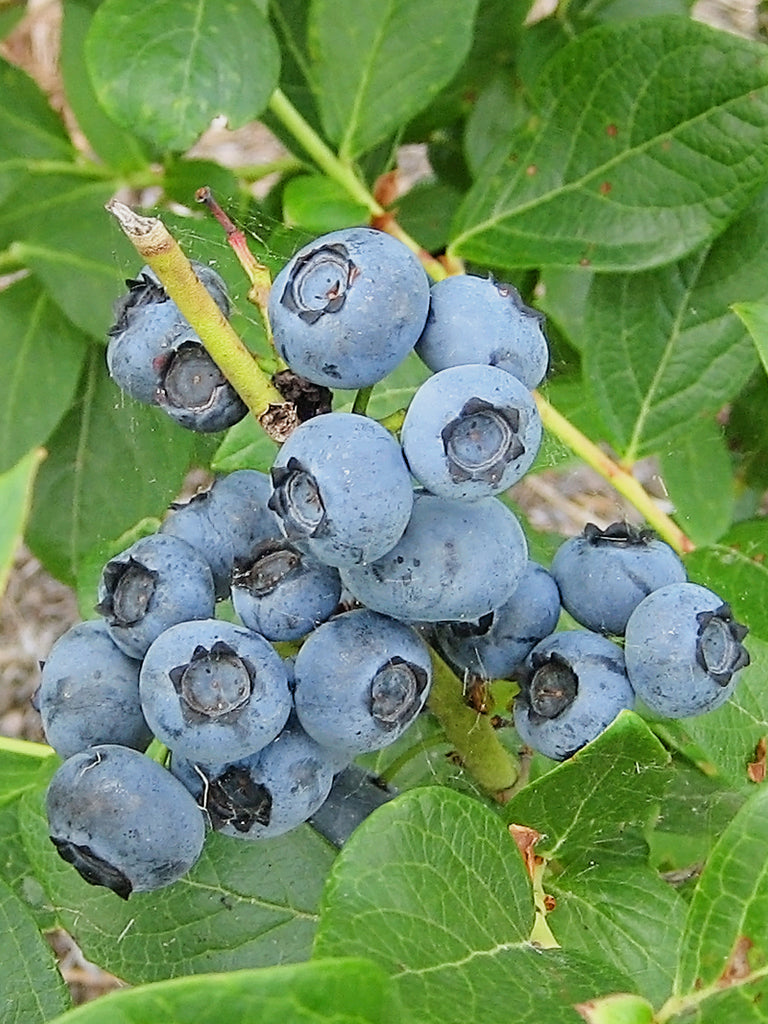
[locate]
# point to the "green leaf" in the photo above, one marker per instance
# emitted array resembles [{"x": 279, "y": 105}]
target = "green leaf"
[
  {"x": 623, "y": 913},
  {"x": 432, "y": 887},
  {"x": 166, "y": 69},
  {"x": 80, "y": 255},
  {"x": 245, "y": 446},
  {"x": 375, "y": 66},
  {"x": 730, "y": 905},
  {"x": 737, "y": 569},
  {"x": 116, "y": 147},
  {"x": 425, "y": 212},
  {"x": 730, "y": 735},
  {"x": 319, "y": 205},
  {"x": 16, "y": 486},
  {"x": 16, "y": 870},
  {"x": 29, "y": 129},
  {"x": 42, "y": 355},
  {"x": 111, "y": 462},
  {"x": 23, "y": 766},
  {"x": 632, "y": 165},
  {"x": 663, "y": 347},
  {"x": 612, "y": 783},
  {"x": 698, "y": 478},
  {"x": 338, "y": 991},
  {"x": 244, "y": 904},
  {"x": 754, "y": 316},
  {"x": 31, "y": 988}
]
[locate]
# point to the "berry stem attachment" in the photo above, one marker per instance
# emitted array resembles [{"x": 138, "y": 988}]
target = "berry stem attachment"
[
  {"x": 159, "y": 248},
  {"x": 257, "y": 273},
  {"x": 472, "y": 735},
  {"x": 611, "y": 471}
]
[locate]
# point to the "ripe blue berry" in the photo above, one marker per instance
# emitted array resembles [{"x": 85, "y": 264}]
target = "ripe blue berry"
[
  {"x": 89, "y": 692},
  {"x": 604, "y": 574},
  {"x": 572, "y": 687},
  {"x": 282, "y": 593},
  {"x": 348, "y": 307},
  {"x": 155, "y": 356},
  {"x": 479, "y": 320},
  {"x": 267, "y": 794},
  {"x": 494, "y": 645},
  {"x": 226, "y": 522},
  {"x": 122, "y": 820},
  {"x": 156, "y": 582},
  {"x": 214, "y": 692},
  {"x": 471, "y": 431},
  {"x": 456, "y": 560},
  {"x": 684, "y": 650},
  {"x": 360, "y": 680},
  {"x": 342, "y": 489}
]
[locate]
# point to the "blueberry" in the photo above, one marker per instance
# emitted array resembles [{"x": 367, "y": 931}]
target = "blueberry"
[
  {"x": 155, "y": 356},
  {"x": 342, "y": 489},
  {"x": 495, "y": 644},
  {"x": 479, "y": 320},
  {"x": 267, "y": 794},
  {"x": 456, "y": 560},
  {"x": 684, "y": 650},
  {"x": 348, "y": 307},
  {"x": 360, "y": 680},
  {"x": 226, "y": 522},
  {"x": 572, "y": 686},
  {"x": 213, "y": 691},
  {"x": 471, "y": 431},
  {"x": 604, "y": 574},
  {"x": 283, "y": 593},
  {"x": 156, "y": 582},
  {"x": 89, "y": 693},
  {"x": 122, "y": 820},
  {"x": 148, "y": 327}
]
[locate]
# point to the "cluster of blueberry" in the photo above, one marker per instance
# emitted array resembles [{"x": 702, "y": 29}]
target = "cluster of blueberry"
[
  {"x": 680, "y": 655},
  {"x": 362, "y": 550}
]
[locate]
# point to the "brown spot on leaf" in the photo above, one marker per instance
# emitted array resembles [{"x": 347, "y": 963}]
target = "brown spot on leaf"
[
  {"x": 525, "y": 839},
  {"x": 605, "y": 188},
  {"x": 585, "y": 261},
  {"x": 757, "y": 769},
  {"x": 531, "y": 170},
  {"x": 611, "y": 131},
  {"x": 737, "y": 968}
]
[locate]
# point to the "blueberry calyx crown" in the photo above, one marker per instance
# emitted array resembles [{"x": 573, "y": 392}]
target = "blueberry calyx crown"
[
  {"x": 214, "y": 684},
  {"x": 622, "y": 534},
  {"x": 319, "y": 282},
  {"x": 142, "y": 291},
  {"x": 481, "y": 441},
  {"x": 272, "y": 563},
  {"x": 719, "y": 648},
  {"x": 508, "y": 291},
  {"x": 235, "y": 798},
  {"x": 396, "y": 691},
  {"x": 552, "y": 686},
  {"x": 297, "y": 500},
  {"x": 191, "y": 379},
  {"x": 92, "y": 868},
  {"x": 129, "y": 587}
]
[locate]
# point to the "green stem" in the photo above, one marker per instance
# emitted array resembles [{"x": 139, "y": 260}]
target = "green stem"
[
  {"x": 362, "y": 398},
  {"x": 611, "y": 471},
  {"x": 473, "y": 736},
  {"x": 343, "y": 174},
  {"x": 321, "y": 153},
  {"x": 11, "y": 745}
]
